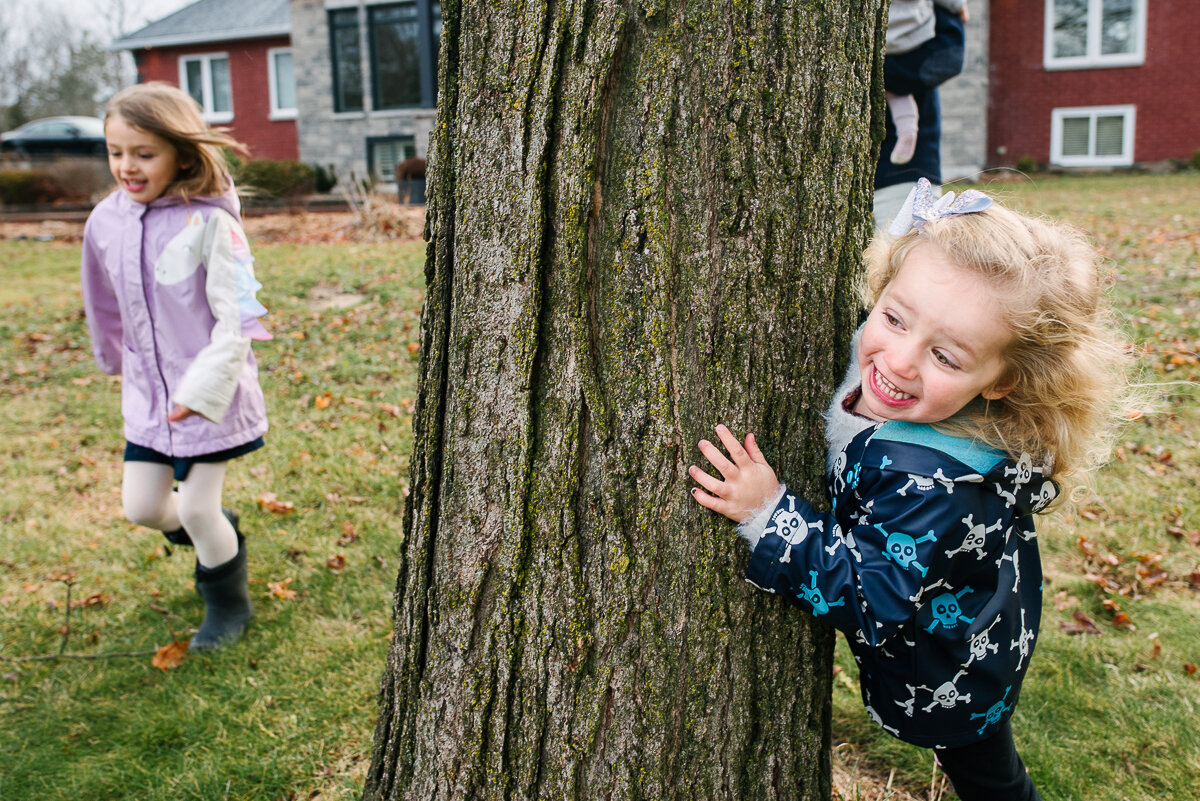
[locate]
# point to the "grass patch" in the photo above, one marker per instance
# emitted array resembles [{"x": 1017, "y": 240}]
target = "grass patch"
[{"x": 288, "y": 712}]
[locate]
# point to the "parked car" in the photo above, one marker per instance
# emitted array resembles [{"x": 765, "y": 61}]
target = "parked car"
[{"x": 54, "y": 136}]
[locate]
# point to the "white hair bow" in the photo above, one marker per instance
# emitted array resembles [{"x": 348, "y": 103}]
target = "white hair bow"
[{"x": 921, "y": 207}]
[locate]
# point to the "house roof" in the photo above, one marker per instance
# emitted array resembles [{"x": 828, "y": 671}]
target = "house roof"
[{"x": 212, "y": 21}]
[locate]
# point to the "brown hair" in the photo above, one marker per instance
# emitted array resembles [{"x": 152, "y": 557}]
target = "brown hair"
[
  {"x": 1068, "y": 368},
  {"x": 164, "y": 110}
]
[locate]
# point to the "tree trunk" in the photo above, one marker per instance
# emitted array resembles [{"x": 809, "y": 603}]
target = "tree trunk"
[{"x": 644, "y": 219}]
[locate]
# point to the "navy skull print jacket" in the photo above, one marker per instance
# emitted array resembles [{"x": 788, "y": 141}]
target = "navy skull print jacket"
[{"x": 929, "y": 565}]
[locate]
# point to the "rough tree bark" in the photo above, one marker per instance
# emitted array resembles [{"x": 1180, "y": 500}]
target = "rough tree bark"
[{"x": 645, "y": 218}]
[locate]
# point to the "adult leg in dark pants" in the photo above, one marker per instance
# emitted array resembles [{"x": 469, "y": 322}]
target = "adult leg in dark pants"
[{"x": 989, "y": 770}]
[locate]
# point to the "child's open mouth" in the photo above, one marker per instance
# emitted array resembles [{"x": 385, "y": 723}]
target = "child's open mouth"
[{"x": 887, "y": 391}]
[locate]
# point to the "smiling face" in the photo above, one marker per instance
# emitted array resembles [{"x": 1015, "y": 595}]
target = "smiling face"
[
  {"x": 934, "y": 342},
  {"x": 143, "y": 163}
]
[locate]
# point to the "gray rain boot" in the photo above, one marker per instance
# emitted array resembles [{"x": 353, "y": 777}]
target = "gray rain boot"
[{"x": 227, "y": 607}]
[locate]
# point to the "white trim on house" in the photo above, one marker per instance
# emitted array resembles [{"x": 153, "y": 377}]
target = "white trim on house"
[
  {"x": 278, "y": 113},
  {"x": 1092, "y": 58},
  {"x": 1058, "y": 116},
  {"x": 210, "y": 114}
]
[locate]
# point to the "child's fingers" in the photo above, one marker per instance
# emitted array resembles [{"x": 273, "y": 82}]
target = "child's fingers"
[
  {"x": 736, "y": 451},
  {"x": 713, "y": 485},
  {"x": 752, "y": 450},
  {"x": 717, "y": 459},
  {"x": 709, "y": 502}
]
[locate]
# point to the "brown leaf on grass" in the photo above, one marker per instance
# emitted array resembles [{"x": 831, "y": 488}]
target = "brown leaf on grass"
[
  {"x": 1082, "y": 625},
  {"x": 1189, "y": 668},
  {"x": 336, "y": 563},
  {"x": 333, "y": 497},
  {"x": 280, "y": 589},
  {"x": 1104, "y": 582},
  {"x": 95, "y": 599},
  {"x": 349, "y": 535},
  {"x": 169, "y": 656},
  {"x": 1192, "y": 535},
  {"x": 271, "y": 503},
  {"x": 1122, "y": 621},
  {"x": 322, "y": 401}
]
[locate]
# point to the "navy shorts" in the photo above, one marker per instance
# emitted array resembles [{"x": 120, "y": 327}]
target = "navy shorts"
[{"x": 182, "y": 464}]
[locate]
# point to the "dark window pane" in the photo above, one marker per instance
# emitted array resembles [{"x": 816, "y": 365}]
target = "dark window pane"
[
  {"x": 395, "y": 67},
  {"x": 347, "y": 60},
  {"x": 194, "y": 70},
  {"x": 436, "y": 11}
]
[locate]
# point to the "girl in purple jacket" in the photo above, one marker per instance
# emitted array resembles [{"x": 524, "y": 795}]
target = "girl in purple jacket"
[
  {"x": 981, "y": 383},
  {"x": 168, "y": 288}
]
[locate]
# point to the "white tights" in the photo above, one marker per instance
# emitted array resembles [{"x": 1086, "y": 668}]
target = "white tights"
[{"x": 149, "y": 501}]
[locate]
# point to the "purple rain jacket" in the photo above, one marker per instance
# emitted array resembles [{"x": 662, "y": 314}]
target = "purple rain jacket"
[
  {"x": 929, "y": 565},
  {"x": 168, "y": 289}
]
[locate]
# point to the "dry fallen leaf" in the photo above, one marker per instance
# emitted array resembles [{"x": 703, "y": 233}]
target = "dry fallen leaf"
[
  {"x": 169, "y": 656},
  {"x": 1082, "y": 625},
  {"x": 280, "y": 589},
  {"x": 271, "y": 503},
  {"x": 323, "y": 401},
  {"x": 336, "y": 563},
  {"x": 349, "y": 535},
  {"x": 95, "y": 599}
]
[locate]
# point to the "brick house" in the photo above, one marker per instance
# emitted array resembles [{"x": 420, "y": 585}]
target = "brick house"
[
  {"x": 235, "y": 58},
  {"x": 1093, "y": 83}
]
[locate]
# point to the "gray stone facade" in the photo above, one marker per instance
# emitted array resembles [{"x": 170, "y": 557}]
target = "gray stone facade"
[
  {"x": 964, "y": 103},
  {"x": 329, "y": 138}
]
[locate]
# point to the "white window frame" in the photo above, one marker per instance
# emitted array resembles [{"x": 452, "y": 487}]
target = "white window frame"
[
  {"x": 206, "y": 60},
  {"x": 278, "y": 113},
  {"x": 1093, "y": 59},
  {"x": 1092, "y": 112}
]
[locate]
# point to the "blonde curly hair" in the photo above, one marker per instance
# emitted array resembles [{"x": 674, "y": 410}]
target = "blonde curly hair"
[
  {"x": 1068, "y": 367},
  {"x": 166, "y": 111}
]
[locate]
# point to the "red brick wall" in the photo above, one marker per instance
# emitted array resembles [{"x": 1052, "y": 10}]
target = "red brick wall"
[
  {"x": 1165, "y": 90},
  {"x": 250, "y": 76}
]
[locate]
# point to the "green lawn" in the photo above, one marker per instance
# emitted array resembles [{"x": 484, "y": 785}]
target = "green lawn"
[{"x": 288, "y": 713}]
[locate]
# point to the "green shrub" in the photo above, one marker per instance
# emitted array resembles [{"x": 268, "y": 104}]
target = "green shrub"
[
  {"x": 1195, "y": 162},
  {"x": 25, "y": 187},
  {"x": 275, "y": 178},
  {"x": 1027, "y": 164}
]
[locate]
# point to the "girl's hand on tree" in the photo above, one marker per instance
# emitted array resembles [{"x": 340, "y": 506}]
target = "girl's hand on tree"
[
  {"x": 749, "y": 481},
  {"x": 179, "y": 413}
]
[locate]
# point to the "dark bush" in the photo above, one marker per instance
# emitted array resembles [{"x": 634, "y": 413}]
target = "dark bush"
[
  {"x": 275, "y": 178},
  {"x": 28, "y": 187},
  {"x": 325, "y": 179}
]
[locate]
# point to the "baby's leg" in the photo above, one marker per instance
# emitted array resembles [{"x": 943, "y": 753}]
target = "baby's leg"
[
  {"x": 200, "y": 511},
  {"x": 147, "y": 497},
  {"x": 904, "y": 116}
]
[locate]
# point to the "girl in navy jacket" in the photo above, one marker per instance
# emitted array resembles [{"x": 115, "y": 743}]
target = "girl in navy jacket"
[{"x": 981, "y": 382}]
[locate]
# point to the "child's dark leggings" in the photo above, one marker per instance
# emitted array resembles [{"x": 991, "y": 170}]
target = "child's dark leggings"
[{"x": 989, "y": 770}]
